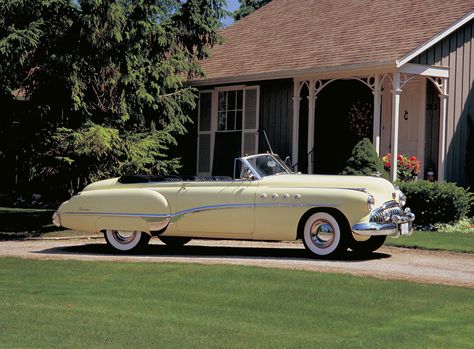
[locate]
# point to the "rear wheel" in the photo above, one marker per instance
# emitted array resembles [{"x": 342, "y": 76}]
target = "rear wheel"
[
  {"x": 367, "y": 246},
  {"x": 323, "y": 234},
  {"x": 174, "y": 241},
  {"x": 126, "y": 240}
]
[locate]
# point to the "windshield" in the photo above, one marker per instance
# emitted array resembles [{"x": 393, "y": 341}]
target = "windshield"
[{"x": 267, "y": 165}]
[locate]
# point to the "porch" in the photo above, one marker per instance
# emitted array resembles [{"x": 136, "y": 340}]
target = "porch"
[{"x": 409, "y": 114}]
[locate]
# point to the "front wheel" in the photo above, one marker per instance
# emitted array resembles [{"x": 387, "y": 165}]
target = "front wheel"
[
  {"x": 126, "y": 240},
  {"x": 323, "y": 234},
  {"x": 367, "y": 246}
]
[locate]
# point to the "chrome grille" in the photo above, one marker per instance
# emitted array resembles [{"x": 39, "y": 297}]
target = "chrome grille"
[{"x": 387, "y": 210}]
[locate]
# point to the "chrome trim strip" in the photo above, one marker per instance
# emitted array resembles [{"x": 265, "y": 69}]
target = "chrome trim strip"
[
  {"x": 194, "y": 210},
  {"x": 142, "y": 215}
]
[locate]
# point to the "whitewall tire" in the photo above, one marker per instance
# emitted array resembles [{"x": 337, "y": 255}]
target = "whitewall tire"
[
  {"x": 323, "y": 235},
  {"x": 126, "y": 240}
]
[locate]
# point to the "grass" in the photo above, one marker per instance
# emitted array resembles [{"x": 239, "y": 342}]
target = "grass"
[
  {"x": 18, "y": 210},
  {"x": 433, "y": 240},
  {"x": 75, "y": 304}
]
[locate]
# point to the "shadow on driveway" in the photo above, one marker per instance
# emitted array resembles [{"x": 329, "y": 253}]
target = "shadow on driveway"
[{"x": 217, "y": 252}]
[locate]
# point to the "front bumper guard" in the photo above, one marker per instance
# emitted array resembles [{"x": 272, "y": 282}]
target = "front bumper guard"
[{"x": 401, "y": 224}]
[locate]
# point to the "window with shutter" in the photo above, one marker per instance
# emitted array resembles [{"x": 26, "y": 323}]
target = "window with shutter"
[{"x": 228, "y": 125}]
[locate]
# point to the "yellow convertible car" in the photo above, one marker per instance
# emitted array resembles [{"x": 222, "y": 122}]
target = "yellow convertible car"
[{"x": 264, "y": 200}]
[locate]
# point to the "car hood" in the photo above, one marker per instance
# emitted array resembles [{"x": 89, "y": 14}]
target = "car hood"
[{"x": 380, "y": 188}]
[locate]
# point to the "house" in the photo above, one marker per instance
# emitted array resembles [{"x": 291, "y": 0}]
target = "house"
[{"x": 319, "y": 75}]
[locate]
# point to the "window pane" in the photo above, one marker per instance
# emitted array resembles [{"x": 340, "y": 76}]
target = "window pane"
[
  {"x": 231, "y": 120},
  {"x": 240, "y": 99},
  {"x": 222, "y": 101},
  {"x": 238, "y": 120},
  {"x": 231, "y": 100},
  {"x": 221, "y": 121}
]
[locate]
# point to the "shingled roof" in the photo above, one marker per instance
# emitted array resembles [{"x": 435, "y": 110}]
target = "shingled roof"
[{"x": 291, "y": 36}]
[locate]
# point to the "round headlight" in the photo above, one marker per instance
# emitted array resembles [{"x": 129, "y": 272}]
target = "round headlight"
[
  {"x": 370, "y": 202},
  {"x": 402, "y": 199}
]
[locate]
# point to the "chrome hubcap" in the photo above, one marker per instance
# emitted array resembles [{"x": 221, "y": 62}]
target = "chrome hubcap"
[
  {"x": 124, "y": 237},
  {"x": 322, "y": 234}
]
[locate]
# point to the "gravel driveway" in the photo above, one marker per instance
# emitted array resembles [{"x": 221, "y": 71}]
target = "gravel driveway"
[{"x": 387, "y": 263}]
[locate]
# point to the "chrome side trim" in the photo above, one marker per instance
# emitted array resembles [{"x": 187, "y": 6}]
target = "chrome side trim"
[
  {"x": 192, "y": 210},
  {"x": 120, "y": 214}
]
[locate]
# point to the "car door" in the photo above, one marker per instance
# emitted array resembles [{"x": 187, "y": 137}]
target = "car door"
[{"x": 217, "y": 209}]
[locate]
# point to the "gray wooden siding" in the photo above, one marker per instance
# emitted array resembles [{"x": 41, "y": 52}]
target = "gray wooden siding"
[
  {"x": 276, "y": 109},
  {"x": 457, "y": 52}
]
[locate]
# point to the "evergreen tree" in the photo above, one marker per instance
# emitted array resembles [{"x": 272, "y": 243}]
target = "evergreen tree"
[
  {"x": 247, "y": 7},
  {"x": 364, "y": 161},
  {"x": 104, "y": 79}
]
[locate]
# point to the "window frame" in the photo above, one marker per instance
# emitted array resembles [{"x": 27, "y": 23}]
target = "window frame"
[{"x": 214, "y": 120}]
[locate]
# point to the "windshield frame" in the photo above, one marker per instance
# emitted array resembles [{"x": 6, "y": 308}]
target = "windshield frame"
[{"x": 249, "y": 160}]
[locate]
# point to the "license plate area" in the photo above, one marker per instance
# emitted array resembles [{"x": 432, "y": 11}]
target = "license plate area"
[{"x": 404, "y": 228}]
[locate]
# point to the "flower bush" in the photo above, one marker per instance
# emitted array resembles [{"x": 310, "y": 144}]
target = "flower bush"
[{"x": 407, "y": 167}]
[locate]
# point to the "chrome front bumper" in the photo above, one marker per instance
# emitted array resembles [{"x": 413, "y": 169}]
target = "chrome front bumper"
[{"x": 397, "y": 224}]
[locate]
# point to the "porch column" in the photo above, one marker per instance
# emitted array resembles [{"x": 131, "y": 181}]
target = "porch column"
[
  {"x": 377, "y": 113},
  {"x": 296, "y": 122},
  {"x": 396, "y": 92},
  {"x": 442, "y": 130},
  {"x": 311, "y": 103}
]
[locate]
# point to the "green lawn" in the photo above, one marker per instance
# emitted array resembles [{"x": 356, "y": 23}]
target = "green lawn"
[
  {"x": 73, "y": 304},
  {"x": 432, "y": 240}
]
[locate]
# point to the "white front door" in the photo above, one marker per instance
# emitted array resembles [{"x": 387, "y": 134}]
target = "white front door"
[
  {"x": 411, "y": 135},
  {"x": 410, "y": 123}
]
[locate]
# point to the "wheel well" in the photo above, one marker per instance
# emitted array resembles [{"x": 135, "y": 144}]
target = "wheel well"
[
  {"x": 341, "y": 219},
  {"x": 103, "y": 231}
]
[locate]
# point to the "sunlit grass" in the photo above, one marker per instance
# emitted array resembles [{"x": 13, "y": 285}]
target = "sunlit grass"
[
  {"x": 74, "y": 304},
  {"x": 433, "y": 240}
]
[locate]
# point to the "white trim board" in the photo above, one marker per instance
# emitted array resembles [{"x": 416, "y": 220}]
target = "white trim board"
[{"x": 425, "y": 70}]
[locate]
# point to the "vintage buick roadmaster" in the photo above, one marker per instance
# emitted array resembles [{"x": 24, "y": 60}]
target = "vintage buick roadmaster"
[{"x": 264, "y": 201}]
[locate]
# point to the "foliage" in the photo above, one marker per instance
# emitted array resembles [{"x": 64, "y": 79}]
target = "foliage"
[
  {"x": 407, "y": 167},
  {"x": 104, "y": 82},
  {"x": 364, "y": 161},
  {"x": 464, "y": 225},
  {"x": 18, "y": 223},
  {"x": 360, "y": 118},
  {"x": 248, "y": 6},
  {"x": 437, "y": 202}
]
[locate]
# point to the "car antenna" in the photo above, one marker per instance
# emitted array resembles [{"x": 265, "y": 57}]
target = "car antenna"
[{"x": 266, "y": 139}]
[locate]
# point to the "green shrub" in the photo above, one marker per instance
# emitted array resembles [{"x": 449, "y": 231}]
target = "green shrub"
[
  {"x": 18, "y": 222},
  {"x": 436, "y": 202},
  {"x": 364, "y": 161}
]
